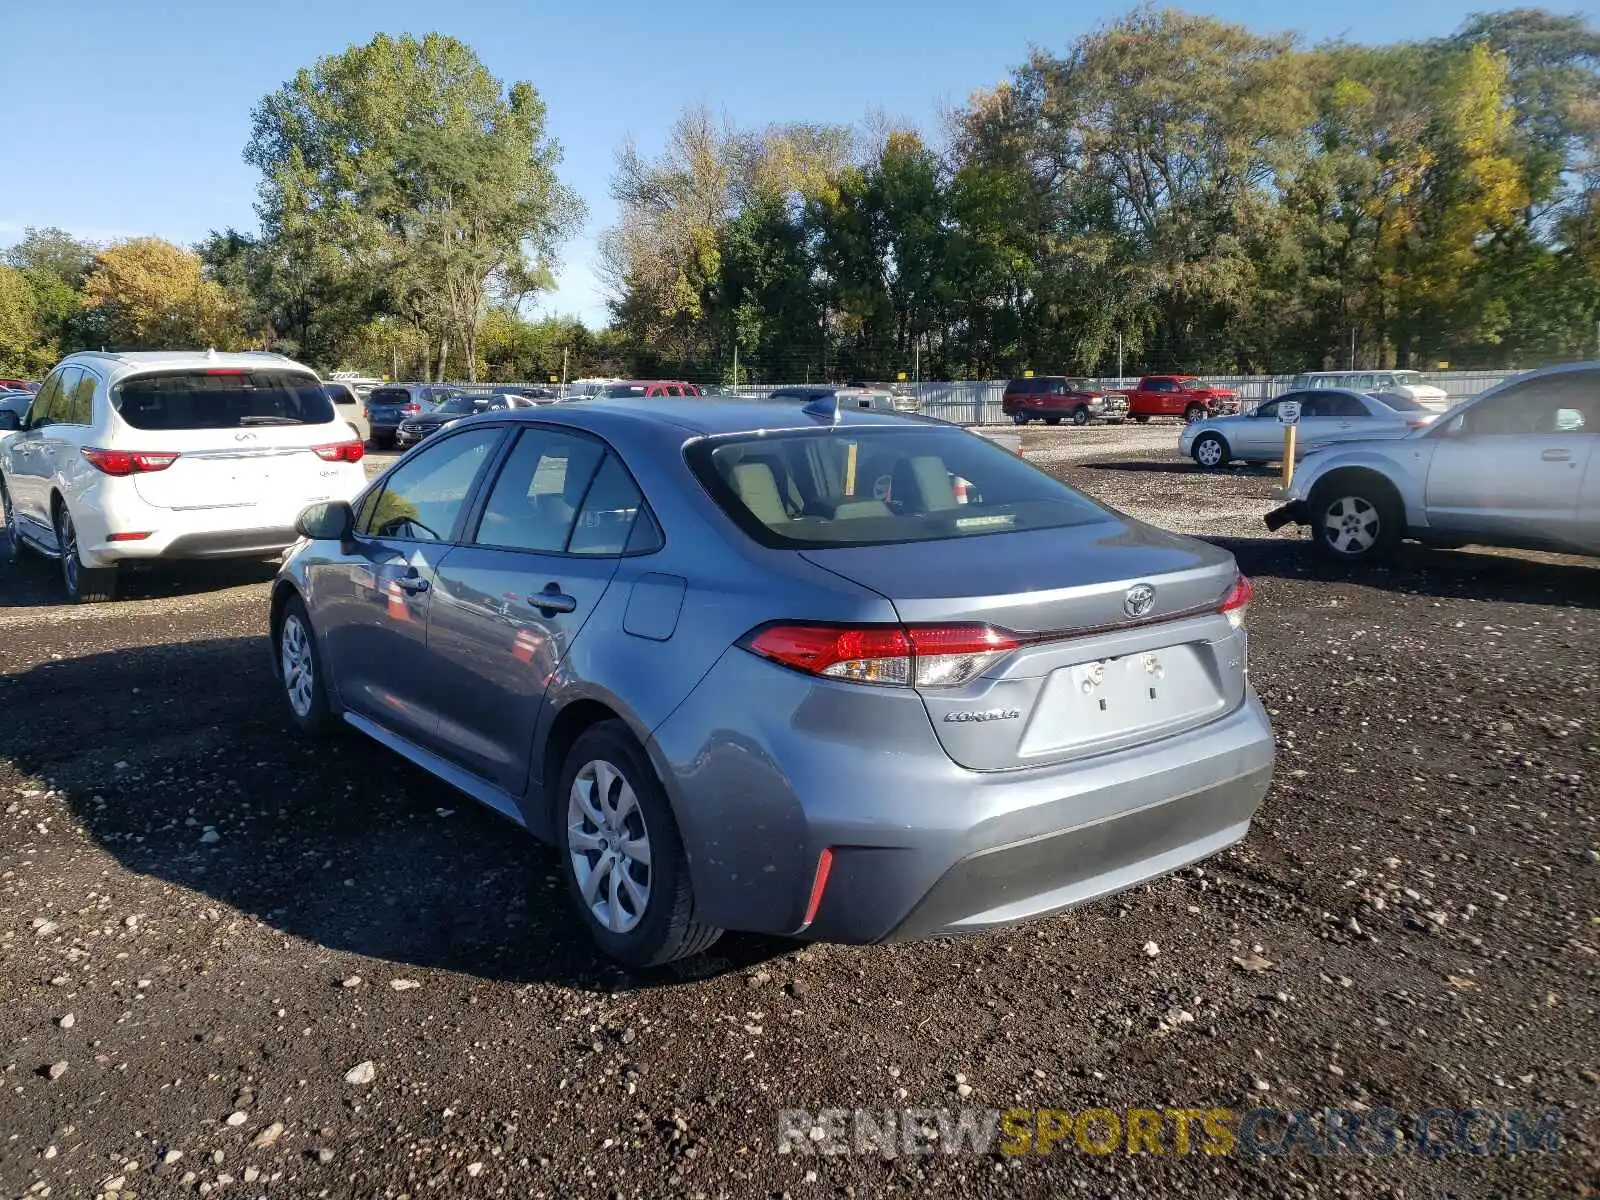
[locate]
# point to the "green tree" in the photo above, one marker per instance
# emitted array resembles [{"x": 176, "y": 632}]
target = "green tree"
[
  {"x": 25, "y": 346},
  {"x": 404, "y": 170}
]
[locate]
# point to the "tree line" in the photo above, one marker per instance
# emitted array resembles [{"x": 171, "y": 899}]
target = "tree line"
[{"x": 1168, "y": 192}]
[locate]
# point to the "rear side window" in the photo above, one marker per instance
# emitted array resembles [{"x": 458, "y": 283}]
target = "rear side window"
[
  {"x": 222, "y": 399},
  {"x": 535, "y": 500},
  {"x": 1398, "y": 402},
  {"x": 611, "y": 510},
  {"x": 77, "y": 406},
  {"x": 866, "y": 487}
]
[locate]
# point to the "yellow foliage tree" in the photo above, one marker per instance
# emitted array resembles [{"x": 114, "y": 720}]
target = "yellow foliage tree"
[{"x": 147, "y": 294}]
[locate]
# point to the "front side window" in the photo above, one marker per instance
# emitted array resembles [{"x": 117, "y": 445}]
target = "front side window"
[
  {"x": 535, "y": 501},
  {"x": 423, "y": 498},
  {"x": 50, "y": 402},
  {"x": 222, "y": 398},
  {"x": 865, "y": 487}
]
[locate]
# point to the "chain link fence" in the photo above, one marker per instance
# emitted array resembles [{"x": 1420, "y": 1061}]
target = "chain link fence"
[{"x": 978, "y": 402}]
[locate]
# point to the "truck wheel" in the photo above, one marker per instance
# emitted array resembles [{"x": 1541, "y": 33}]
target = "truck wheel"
[
  {"x": 1210, "y": 452},
  {"x": 1019, "y": 418},
  {"x": 1080, "y": 415},
  {"x": 1353, "y": 520},
  {"x": 1195, "y": 412},
  {"x": 1141, "y": 418}
]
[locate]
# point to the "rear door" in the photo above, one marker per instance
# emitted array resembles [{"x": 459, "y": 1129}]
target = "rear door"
[
  {"x": 373, "y": 604},
  {"x": 511, "y": 601},
  {"x": 33, "y": 456}
]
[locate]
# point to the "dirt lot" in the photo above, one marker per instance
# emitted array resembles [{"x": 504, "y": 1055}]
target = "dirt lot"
[{"x": 208, "y": 926}]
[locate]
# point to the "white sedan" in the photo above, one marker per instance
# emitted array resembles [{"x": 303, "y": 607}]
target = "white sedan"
[{"x": 1326, "y": 415}]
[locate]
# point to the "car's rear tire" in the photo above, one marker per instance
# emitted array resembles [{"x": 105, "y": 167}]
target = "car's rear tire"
[
  {"x": 1141, "y": 418},
  {"x": 1080, "y": 415},
  {"x": 1210, "y": 452},
  {"x": 300, "y": 670},
  {"x": 83, "y": 584},
  {"x": 1195, "y": 412},
  {"x": 621, "y": 852},
  {"x": 13, "y": 547},
  {"x": 1355, "y": 520},
  {"x": 1019, "y": 418}
]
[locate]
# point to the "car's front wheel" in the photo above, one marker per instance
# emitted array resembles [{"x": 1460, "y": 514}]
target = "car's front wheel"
[
  {"x": 300, "y": 670},
  {"x": 83, "y": 584},
  {"x": 1080, "y": 416},
  {"x": 1195, "y": 412},
  {"x": 1353, "y": 521},
  {"x": 1209, "y": 451},
  {"x": 622, "y": 855}
]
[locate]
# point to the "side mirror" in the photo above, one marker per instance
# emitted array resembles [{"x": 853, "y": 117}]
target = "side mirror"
[
  {"x": 10, "y": 422},
  {"x": 330, "y": 521}
]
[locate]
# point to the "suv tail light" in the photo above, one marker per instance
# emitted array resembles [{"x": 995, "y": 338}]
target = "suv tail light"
[
  {"x": 413, "y": 407},
  {"x": 350, "y": 452},
  {"x": 128, "y": 462},
  {"x": 1237, "y": 601},
  {"x": 893, "y": 655}
]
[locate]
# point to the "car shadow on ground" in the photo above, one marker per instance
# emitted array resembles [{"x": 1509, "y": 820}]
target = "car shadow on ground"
[
  {"x": 193, "y": 774},
  {"x": 1509, "y": 577},
  {"x": 31, "y": 581},
  {"x": 1167, "y": 466}
]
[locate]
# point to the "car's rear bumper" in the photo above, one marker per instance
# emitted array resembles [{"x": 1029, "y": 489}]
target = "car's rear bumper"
[{"x": 918, "y": 846}]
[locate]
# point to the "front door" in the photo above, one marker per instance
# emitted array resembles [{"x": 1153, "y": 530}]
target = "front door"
[
  {"x": 1513, "y": 466},
  {"x": 375, "y": 600},
  {"x": 513, "y": 598}
]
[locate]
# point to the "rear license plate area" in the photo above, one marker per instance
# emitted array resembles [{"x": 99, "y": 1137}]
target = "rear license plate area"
[{"x": 1121, "y": 699}]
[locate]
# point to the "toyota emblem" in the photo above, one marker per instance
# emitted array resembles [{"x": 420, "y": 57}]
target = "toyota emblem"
[{"x": 1141, "y": 598}]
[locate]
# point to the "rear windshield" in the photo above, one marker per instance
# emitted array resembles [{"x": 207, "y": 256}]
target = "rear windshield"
[
  {"x": 873, "y": 487},
  {"x": 1408, "y": 378},
  {"x": 624, "y": 389},
  {"x": 222, "y": 399},
  {"x": 389, "y": 395},
  {"x": 1398, "y": 402}
]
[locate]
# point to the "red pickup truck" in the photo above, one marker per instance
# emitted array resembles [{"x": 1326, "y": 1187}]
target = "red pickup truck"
[{"x": 1181, "y": 396}]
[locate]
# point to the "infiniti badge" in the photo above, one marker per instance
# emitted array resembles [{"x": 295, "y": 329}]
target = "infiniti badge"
[{"x": 1141, "y": 598}]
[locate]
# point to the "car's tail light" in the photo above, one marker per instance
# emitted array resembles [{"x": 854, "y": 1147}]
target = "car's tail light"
[
  {"x": 350, "y": 452},
  {"x": 128, "y": 462},
  {"x": 1419, "y": 422},
  {"x": 413, "y": 407},
  {"x": 1235, "y": 604},
  {"x": 903, "y": 656}
]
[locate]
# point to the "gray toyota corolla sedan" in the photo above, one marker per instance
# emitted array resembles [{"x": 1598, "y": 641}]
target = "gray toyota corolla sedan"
[{"x": 850, "y": 677}]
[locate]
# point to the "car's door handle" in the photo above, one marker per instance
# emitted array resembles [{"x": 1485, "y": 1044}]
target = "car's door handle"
[
  {"x": 412, "y": 584},
  {"x": 553, "y": 600},
  {"x": 1556, "y": 455}
]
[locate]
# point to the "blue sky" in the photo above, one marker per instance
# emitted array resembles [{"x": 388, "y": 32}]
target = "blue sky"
[{"x": 122, "y": 118}]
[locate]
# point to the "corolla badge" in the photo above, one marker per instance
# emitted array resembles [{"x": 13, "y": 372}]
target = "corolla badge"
[
  {"x": 986, "y": 714},
  {"x": 1141, "y": 598}
]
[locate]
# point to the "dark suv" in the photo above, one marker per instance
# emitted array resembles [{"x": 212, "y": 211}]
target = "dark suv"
[{"x": 392, "y": 403}]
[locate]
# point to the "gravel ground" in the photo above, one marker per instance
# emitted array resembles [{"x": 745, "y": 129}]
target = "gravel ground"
[{"x": 229, "y": 959}]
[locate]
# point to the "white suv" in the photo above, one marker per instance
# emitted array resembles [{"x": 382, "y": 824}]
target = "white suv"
[{"x": 169, "y": 455}]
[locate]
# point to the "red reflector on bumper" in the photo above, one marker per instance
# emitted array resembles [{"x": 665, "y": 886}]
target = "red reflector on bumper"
[
  {"x": 126, "y": 537},
  {"x": 824, "y": 865}
]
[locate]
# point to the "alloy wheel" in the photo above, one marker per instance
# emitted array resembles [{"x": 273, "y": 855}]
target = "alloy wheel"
[
  {"x": 1351, "y": 525},
  {"x": 299, "y": 672},
  {"x": 609, "y": 846},
  {"x": 67, "y": 542},
  {"x": 1209, "y": 452}
]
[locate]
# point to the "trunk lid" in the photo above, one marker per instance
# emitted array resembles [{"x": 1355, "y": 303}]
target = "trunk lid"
[
  {"x": 1098, "y": 670},
  {"x": 269, "y": 467}
]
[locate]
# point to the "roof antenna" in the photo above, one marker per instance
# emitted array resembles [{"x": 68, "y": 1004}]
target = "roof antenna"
[{"x": 824, "y": 408}]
